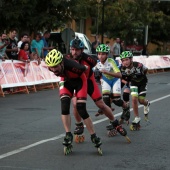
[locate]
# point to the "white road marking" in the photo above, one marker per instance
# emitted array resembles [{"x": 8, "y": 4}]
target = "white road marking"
[{"x": 62, "y": 135}]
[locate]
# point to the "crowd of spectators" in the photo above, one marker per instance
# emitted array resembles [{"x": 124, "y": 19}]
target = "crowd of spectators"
[{"x": 26, "y": 49}]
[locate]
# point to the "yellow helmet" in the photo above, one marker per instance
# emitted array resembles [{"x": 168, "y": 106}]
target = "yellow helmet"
[{"x": 53, "y": 58}]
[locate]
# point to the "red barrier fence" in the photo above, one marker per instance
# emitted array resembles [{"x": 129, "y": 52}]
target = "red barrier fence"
[
  {"x": 153, "y": 62},
  {"x": 19, "y": 74}
]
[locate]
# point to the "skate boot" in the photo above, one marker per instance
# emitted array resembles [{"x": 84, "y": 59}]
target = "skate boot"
[
  {"x": 135, "y": 124},
  {"x": 125, "y": 115},
  {"x": 97, "y": 143},
  {"x": 78, "y": 133},
  {"x": 116, "y": 125},
  {"x": 68, "y": 139},
  {"x": 146, "y": 111}
]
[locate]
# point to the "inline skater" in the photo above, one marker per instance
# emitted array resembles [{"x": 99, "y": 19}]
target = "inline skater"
[
  {"x": 93, "y": 90},
  {"x": 111, "y": 78},
  {"x": 137, "y": 73},
  {"x": 72, "y": 78}
]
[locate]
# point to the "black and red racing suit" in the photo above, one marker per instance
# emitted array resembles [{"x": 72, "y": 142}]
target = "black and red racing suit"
[
  {"x": 73, "y": 79},
  {"x": 92, "y": 87}
]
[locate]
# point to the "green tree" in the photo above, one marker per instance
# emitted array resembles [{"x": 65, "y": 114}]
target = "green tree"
[
  {"x": 126, "y": 18},
  {"x": 40, "y": 14},
  {"x": 123, "y": 17},
  {"x": 159, "y": 26}
]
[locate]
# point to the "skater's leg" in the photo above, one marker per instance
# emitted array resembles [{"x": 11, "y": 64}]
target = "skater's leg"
[
  {"x": 105, "y": 108},
  {"x": 143, "y": 101},
  {"x": 146, "y": 104},
  {"x": 66, "y": 119},
  {"x": 81, "y": 108},
  {"x": 135, "y": 106},
  {"x": 126, "y": 94},
  {"x": 75, "y": 112},
  {"x": 89, "y": 125},
  {"x": 126, "y": 111},
  {"x": 118, "y": 101},
  {"x": 125, "y": 107},
  {"x": 135, "y": 97}
]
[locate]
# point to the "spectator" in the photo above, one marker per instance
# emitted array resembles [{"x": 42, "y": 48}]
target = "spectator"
[
  {"x": 95, "y": 44},
  {"x": 3, "y": 43},
  {"x": 122, "y": 46},
  {"x": 116, "y": 48},
  {"x": 144, "y": 51},
  {"x": 12, "y": 49},
  {"x": 109, "y": 54},
  {"x": 37, "y": 45},
  {"x": 24, "y": 52},
  {"x": 29, "y": 39},
  {"x": 45, "y": 38},
  {"x": 135, "y": 41},
  {"x": 24, "y": 38},
  {"x": 108, "y": 43}
]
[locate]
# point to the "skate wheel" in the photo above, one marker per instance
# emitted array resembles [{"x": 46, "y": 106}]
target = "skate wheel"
[
  {"x": 100, "y": 151},
  {"x": 128, "y": 139},
  {"x": 81, "y": 138},
  {"x": 76, "y": 138},
  {"x": 132, "y": 128},
  {"x": 146, "y": 119},
  {"x": 67, "y": 150},
  {"x": 111, "y": 133}
]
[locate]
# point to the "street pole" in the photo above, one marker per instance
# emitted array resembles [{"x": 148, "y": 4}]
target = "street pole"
[
  {"x": 146, "y": 35},
  {"x": 98, "y": 18},
  {"x": 102, "y": 20}
]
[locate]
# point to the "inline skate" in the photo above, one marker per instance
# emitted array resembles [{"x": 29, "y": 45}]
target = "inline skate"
[
  {"x": 68, "y": 139},
  {"x": 97, "y": 143},
  {"x": 135, "y": 124},
  {"x": 125, "y": 115},
  {"x": 111, "y": 131},
  {"x": 146, "y": 111},
  {"x": 78, "y": 133},
  {"x": 115, "y": 125}
]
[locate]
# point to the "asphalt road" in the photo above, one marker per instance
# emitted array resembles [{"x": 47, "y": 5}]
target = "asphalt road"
[{"x": 31, "y": 134}]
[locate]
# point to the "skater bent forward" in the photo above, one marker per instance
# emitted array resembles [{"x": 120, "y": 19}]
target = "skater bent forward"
[{"x": 72, "y": 78}]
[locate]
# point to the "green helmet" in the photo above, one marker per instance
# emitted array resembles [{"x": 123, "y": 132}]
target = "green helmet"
[
  {"x": 103, "y": 48},
  {"x": 126, "y": 54}
]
